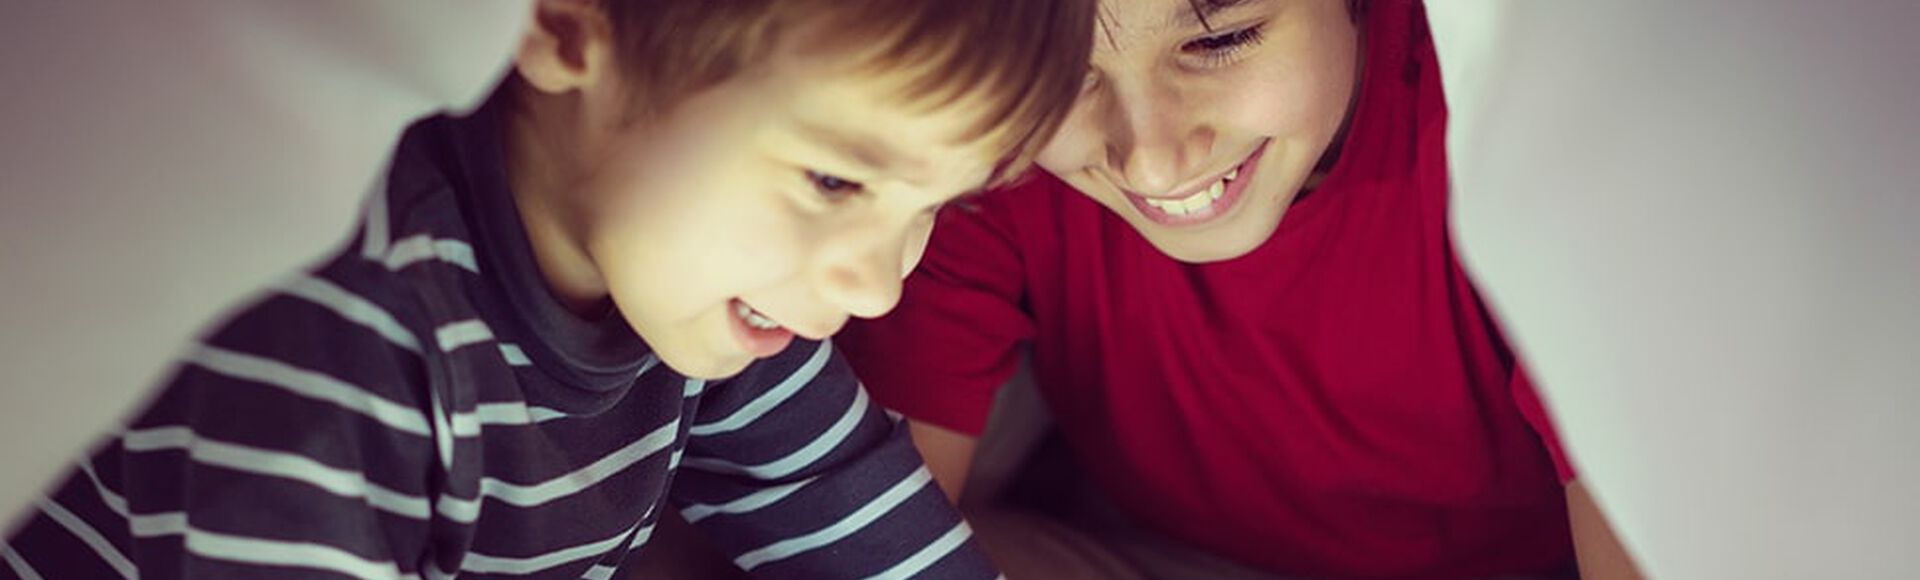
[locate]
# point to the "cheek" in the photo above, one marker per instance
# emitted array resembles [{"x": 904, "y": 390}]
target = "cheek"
[
  {"x": 1079, "y": 143},
  {"x": 691, "y": 244},
  {"x": 916, "y": 245},
  {"x": 741, "y": 236},
  {"x": 1286, "y": 102}
]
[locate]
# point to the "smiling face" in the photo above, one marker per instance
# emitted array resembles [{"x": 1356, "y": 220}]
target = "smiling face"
[
  {"x": 774, "y": 203},
  {"x": 1198, "y": 134}
]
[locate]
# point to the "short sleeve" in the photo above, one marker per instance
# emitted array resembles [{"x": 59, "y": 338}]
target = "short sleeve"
[
  {"x": 1528, "y": 400},
  {"x": 293, "y": 442},
  {"x": 955, "y": 337}
]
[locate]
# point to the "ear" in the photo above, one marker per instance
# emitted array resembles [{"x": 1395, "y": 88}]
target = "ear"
[{"x": 568, "y": 47}]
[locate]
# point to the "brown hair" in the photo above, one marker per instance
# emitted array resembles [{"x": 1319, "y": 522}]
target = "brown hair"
[{"x": 1024, "y": 59}]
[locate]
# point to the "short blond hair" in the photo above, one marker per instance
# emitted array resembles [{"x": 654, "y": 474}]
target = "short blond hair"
[{"x": 1024, "y": 59}]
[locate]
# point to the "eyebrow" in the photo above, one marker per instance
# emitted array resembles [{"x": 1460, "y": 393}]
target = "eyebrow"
[
  {"x": 870, "y": 153},
  {"x": 1196, "y": 13}
]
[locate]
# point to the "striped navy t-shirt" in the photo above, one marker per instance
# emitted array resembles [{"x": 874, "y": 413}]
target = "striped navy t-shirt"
[{"x": 421, "y": 406}]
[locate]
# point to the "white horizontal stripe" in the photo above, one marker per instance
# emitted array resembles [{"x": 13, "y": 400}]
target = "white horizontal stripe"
[
  {"x": 442, "y": 431},
  {"x": 801, "y": 458},
  {"x": 640, "y": 538},
  {"x": 160, "y": 524},
  {"x": 510, "y": 413},
  {"x": 933, "y": 552},
  {"x": 593, "y": 473},
  {"x": 543, "y": 414},
  {"x": 310, "y": 384},
  {"x": 456, "y": 252},
  {"x": 746, "y": 503},
  {"x": 646, "y": 364},
  {"x": 248, "y": 550},
  {"x": 407, "y": 251},
  {"x": 18, "y": 564},
  {"x": 431, "y": 571},
  {"x": 502, "y": 414},
  {"x": 854, "y": 522},
  {"x": 465, "y": 424},
  {"x": 466, "y": 510},
  {"x": 107, "y": 496},
  {"x": 175, "y": 437},
  {"x": 746, "y": 414},
  {"x": 340, "y": 482},
  {"x": 413, "y": 249},
  {"x": 513, "y": 355},
  {"x": 453, "y": 335},
  {"x": 485, "y": 564},
  {"x": 458, "y": 510},
  {"x": 693, "y": 388},
  {"x": 91, "y": 537},
  {"x": 352, "y": 307},
  {"x": 599, "y": 572}
]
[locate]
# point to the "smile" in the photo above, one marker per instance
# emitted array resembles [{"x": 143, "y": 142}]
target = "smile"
[
  {"x": 758, "y": 334},
  {"x": 1203, "y": 203},
  {"x": 1198, "y": 201},
  {"x": 753, "y": 317}
]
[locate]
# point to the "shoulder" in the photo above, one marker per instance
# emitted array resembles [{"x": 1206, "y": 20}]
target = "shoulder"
[
  {"x": 384, "y": 302},
  {"x": 1019, "y": 223},
  {"x": 1037, "y": 198}
]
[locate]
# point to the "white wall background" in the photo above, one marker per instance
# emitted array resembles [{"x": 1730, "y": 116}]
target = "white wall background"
[
  {"x": 159, "y": 160},
  {"x": 1701, "y": 221}
]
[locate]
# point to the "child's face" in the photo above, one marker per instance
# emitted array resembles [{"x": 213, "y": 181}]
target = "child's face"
[
  {"x": 1199, "y": 138},
  {"x": 796, "y": 194}
]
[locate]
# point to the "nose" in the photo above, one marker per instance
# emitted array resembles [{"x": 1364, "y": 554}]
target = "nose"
[
  {"x": 1154, "y": 139},
  {"x": 864, "y": 278}
]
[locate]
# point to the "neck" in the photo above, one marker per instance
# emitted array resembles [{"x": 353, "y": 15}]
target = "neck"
[{"x": 544, "y": 170}]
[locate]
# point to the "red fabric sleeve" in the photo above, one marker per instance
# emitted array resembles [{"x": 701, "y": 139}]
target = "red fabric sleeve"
[
  {"x": 955, "y": 337},
  {"x": 1528, "y": 400}
]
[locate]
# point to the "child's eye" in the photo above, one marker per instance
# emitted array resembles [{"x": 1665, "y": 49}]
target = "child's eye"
[
  {"x": 1221, "y": 49},
  {"x": 834, "y": 188}
]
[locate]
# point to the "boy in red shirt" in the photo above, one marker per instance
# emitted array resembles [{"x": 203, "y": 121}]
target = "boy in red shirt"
[{"x": 1238, "y": 291}]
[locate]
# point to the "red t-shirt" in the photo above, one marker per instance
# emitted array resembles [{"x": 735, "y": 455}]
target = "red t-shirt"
[{"x": 1337, "y": 402}]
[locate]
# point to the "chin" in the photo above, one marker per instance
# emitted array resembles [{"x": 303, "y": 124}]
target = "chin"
[
  {"x": 1205, "y": 251},
  {"x": 1217, "y": 244},
  {"x": 708, "y": 367}
]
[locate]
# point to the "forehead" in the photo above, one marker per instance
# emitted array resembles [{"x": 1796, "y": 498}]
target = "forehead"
[{"x": 828, "y": 98}]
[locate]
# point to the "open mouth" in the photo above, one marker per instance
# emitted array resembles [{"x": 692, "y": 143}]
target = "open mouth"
[
  {"x": 1203, "y": 203},
  {"x": 759, "y": 334}
]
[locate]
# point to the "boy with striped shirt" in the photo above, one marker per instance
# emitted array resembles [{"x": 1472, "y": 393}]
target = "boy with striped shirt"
[{"x": 604, "y": 294}]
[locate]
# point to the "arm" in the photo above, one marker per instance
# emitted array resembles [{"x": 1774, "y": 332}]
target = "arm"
[
  {"x": 1016, "y": 426},
  {"x": 943, "y": 355},
  {"x": 795, "y": 473},
  {"x": 948, "y": 453},
  {"x": 292, "y": 443},
  {"x": 1601, "y": 555}
]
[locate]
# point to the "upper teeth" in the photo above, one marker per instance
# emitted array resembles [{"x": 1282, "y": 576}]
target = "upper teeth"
[
  {"x": 754, "y": 318},
  {"x": 1199, "y": 200}
]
